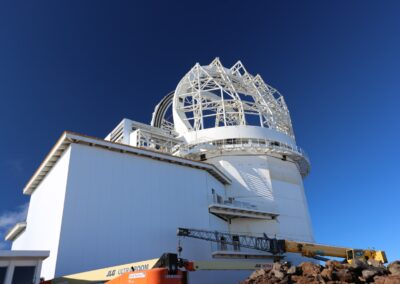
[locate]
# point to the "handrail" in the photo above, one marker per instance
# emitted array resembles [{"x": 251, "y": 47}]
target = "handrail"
[{"x": 234, "y": 143}]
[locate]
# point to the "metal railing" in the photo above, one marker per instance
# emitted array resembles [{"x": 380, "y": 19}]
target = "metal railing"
[
  {"x": 234, "y": 203},
  {"x": 243, "y": 144},
  {"x": 231, "y": 202}
]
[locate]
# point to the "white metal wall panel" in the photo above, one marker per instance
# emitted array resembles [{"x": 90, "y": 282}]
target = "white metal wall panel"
[
  {"x": 251, "y": 181},
  {"x": 122, "y": 208},
  {"x": 273, "y": 185},
  {"x": 45, "y": 215}
]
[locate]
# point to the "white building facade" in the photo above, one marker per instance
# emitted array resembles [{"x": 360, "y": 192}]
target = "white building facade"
[{"x": 219, "y": 154}]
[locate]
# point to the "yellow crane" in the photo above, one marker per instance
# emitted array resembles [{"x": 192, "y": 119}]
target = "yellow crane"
[{"x": 278, "y": 247}]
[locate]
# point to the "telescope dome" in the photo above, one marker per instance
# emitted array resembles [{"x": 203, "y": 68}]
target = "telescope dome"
[
  {"x": 216, "y": 110},
  {"x": 213, "y": 96}
]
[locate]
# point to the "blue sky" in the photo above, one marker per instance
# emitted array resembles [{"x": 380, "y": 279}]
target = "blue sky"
[{"x": 85, "y": 65}]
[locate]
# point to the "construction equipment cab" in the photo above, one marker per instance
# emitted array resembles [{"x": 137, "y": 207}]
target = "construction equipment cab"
[{"x": 378, "y": 255}]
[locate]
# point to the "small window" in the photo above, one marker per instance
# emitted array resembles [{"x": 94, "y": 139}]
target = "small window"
[
  {"x": 223, "y": 243},
  {"x": 236, "y": 243},
  {"x": 23, "y": 275},
  {"x": 350, "y": 254},
  {"x": 3, "y": 271}
]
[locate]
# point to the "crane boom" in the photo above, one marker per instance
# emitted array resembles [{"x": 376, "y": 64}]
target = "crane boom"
[
  {"x": 280, "y": 246},
  {"x": 265, "y": 244}
]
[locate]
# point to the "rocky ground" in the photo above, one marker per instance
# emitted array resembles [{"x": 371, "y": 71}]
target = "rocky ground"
[{"x": 332, "y": 272}]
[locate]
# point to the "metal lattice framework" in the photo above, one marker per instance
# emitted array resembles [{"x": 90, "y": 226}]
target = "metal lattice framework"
[
  {"x": 264, "y": 243},
  {"x": 162, "y": 115},
  {"x": 212, "y": 96}
]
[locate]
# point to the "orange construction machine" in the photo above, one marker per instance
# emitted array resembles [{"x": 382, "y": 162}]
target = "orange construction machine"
[
  {"x": 173, "y": 270},
  {"x": 168, "y": 270},
  {"x": 152, "y": 276}
]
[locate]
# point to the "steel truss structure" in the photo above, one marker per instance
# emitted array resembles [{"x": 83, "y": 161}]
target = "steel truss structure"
[
  {"x": 162, "y": 115},
  {"x": 266, "y": 244},
  {"x": 212, "y": 96},
  {"x": 144, "y": 136}
]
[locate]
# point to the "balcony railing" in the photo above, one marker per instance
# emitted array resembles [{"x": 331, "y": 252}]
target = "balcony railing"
[
  {"x": 231, "y": 209},
  {"x": 232, "y": 202},
  {"x": 251, "y": 145},
  {"x": 245, "y": 143}
]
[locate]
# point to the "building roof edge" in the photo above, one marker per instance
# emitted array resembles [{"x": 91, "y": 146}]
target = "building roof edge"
[
  {"x": 15, "y": 231},
  {"x": 68, "y": 138}
]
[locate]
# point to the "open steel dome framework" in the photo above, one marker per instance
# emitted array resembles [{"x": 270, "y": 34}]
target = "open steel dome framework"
[{"x": 213, "y": 96}]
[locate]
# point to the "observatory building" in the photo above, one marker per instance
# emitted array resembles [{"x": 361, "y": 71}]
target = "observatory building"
[{"x": 219, "y": 154}]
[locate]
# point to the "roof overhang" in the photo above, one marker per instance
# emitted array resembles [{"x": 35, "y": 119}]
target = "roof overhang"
[
  {"x": 68, "y": 138},
  {"x": 15, "y": 231},
  {"x": 24, "y": 254}
]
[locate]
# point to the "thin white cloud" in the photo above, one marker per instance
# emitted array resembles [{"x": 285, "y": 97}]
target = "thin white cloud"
[{"x": 9, "y": 219}]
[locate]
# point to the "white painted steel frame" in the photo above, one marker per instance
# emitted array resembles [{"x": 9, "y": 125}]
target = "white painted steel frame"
[
  {"x": 15, "y": 231},
  {"x": 229, "y": 97}
]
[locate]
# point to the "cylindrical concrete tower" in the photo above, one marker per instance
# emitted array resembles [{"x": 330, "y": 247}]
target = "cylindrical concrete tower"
[{"x": 237, "y": 122}]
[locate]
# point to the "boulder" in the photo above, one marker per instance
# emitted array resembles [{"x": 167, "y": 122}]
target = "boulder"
[
  {"x": 257, "y": 274},
  {"x": 304, "y": 279},
  {"x": 327, "y": 274},
  {"x": 310, "y": 269},
  {"x": 394, "y": 267},
  {"x": 368, "y": 274},
  {"x": 375, "y": 263},
  {"x": 390, "y": 279},
  {"x": 278, "y": 274},
  {"x": 344, "y": 275},
  {"x": 358, "y": 264},
  {"x": 334, "y": 272},
  {"x": 276, "y": 266},
  {"x": 292, "y": 270},
  {"x": 333, "y": 264}
]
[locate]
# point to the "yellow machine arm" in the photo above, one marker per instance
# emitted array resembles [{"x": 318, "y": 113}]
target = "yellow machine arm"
[
  {"x": 280, "y": 246},
  {"x": 315, "y": 250}
]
